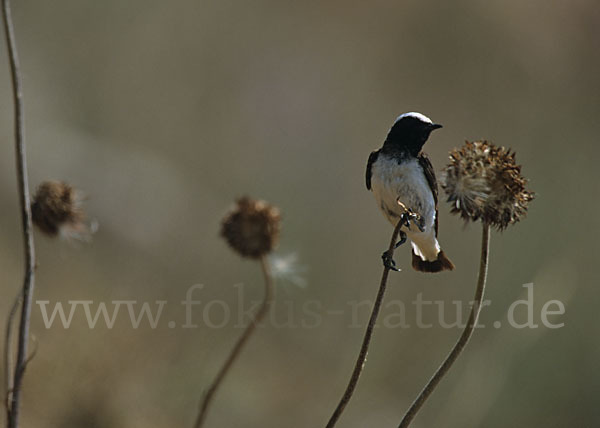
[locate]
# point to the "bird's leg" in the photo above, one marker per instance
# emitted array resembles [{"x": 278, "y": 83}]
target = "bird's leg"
[
  {"x": 409, "y": 215},
  {"x": 416, "y": 218},
  {"x": 402, "y": 240},
  {"x": 387, "y": 258},
  {"x": 388, "y": 261},
  {"x": 405, "y": 218}
]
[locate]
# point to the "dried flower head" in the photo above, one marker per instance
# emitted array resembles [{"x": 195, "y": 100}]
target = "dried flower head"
[
  {"x": 56, "y": 209},
  {"x": 484, "y": 182},
  {"x": 252, "y": 227}
]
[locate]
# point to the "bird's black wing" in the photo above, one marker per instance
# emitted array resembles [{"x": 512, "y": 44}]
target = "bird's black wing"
[
  {"x": 430, "y": 176},
  {"x": 370, "y": 162}
]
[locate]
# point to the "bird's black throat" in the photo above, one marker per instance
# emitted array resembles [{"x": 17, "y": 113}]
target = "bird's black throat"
[
  {"x": 403, "y": 141},
  {"x": 407, "y": 137}
]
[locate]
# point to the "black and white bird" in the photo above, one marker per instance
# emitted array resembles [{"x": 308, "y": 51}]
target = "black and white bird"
[{"x": 403, "y": 181}]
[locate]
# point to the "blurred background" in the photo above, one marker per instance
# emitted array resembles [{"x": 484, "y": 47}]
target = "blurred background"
[{"x": 165, "y": 112}]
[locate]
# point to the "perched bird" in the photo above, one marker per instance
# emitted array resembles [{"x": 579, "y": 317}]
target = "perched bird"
[{"x": 403, "y": 181}]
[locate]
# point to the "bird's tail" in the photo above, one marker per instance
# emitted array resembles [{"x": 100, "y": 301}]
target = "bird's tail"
[{"x": 440, "y": 264}]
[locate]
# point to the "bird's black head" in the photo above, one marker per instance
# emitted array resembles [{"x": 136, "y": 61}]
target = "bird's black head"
[{"x": 409, "y": 133}]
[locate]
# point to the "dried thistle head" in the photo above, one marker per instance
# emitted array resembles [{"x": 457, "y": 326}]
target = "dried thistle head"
[
  {"x": 57, "y": 209},
  {"x": 251, "y": 228},
  {"x": 484, "y": 182}
]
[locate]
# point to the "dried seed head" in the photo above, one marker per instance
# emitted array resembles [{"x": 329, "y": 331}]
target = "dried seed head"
[
  {"x": 484, "y": 182},
  {"x": 251, "y": 228},
  {"x": 56, "y": 209}
]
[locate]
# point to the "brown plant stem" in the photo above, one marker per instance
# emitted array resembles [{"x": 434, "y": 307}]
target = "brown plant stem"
[
  {"x": 241, "y": 342},
  {"x": 464, "y": 337},
  {"x": 364, "y": 349},
  {"x": 23, "y": 188}
]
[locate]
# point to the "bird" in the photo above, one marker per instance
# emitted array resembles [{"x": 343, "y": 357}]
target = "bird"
[{"x": 403, "y": 181}]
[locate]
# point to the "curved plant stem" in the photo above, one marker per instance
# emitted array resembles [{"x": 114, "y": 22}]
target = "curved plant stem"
[
  {"x": 237, "y": 349},
  {"x": 464, "y": 337},
  {"x": 23, "y": 188},
  {"x": 364, "y": 349}
]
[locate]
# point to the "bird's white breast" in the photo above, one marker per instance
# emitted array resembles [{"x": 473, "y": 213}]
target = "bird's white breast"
[{"x": 392, "y": 181}]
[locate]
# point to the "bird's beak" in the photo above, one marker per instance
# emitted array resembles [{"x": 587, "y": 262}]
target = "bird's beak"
[{"x": 434, "y": 126}]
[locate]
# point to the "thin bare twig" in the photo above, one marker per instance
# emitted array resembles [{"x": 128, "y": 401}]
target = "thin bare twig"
[
  {"x": 23, "y": 188},
  {"x": 464, "y": 337},
  {"x": 364, "y": 349},
  {"x": 8, "y": 352},
  {"x": 235, "y": 352}
]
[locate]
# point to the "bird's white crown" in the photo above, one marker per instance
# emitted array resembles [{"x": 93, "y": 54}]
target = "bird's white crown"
[{"x": 416, "y": 115}]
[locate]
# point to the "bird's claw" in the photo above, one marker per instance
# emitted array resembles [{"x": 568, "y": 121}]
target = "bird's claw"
[
  {"x": 409, "y": 215},
  {"x": 388, "y": 261},
  {"x": 416, "y": 219}
]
